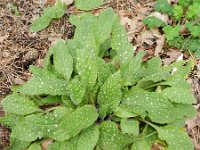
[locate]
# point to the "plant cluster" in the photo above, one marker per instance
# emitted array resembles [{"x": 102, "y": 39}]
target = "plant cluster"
[
  {"x": 82, "y": 102},
  {"x": 184, "y": 31}
]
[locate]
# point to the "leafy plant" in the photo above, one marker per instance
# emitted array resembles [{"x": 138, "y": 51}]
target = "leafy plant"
[
  {"x": 82, "y": 102},
  {"x": 184, "y": 14},
  {"x": 58, "y": 10}
]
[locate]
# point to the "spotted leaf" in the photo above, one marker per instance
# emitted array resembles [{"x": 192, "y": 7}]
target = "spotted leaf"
[
  {"x": 104, "y": 71},
  {"x": 76, "y": 90},
  {"x": 109, "y": 96},
  {"x": 44, "y": 83},
  {"x": 88, "y": 138},
  {"x": 111, "y": 138},
  {"x": 17, "y": 144},
  {"x": 170, "y": 134},
  {"x": 130, "y": 126},
  {"x": 88, "y": 4},
  {"x": 103, "y": 26},
  {"x": 146, "y": 140},
  {"x": 120, "y": 42},
  {"x": 54, "y": 12},
  {"x": 179, "y": 95},
  {"x": 70, "y": 144},
  {"x": 19, "y": 104},
  {"x": 159, "y": 109},
  {"x": 132, "y": 71},
  {"x": 37, "y": 125},
  {"x": 75, "y": 122},
  {"x": 63, "y": 61}
]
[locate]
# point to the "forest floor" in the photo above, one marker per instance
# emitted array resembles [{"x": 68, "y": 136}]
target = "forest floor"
[{"x": 19, "y": 48}]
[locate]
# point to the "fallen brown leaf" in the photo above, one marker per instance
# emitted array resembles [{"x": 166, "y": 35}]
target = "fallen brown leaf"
[{"x": 46, "y": 143}]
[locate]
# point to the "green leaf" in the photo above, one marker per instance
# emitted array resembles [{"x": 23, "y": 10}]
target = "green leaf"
[
  {"x": 120, "y": 42},
  {"x": 76, "y": 90},
  {"x": 75, "y": 122},
  {"x": 171, "y": 32},
  {"x": 87, "y": 4},
  {"x": 45, "y": 83},
  {"x": 35, "y": 146},
  {"x": 193, "y": 10},
  {"x": 62, "y": 60},
  {"x": 170, "y": 134},
  {"x": 17, "y": 144},
  {"x": 111, "y": 138},
  {"x": 70, "y": 144},
  {"x": 104, "y": 71},
  {"x": 194, "y": 29},
  {"x": 88, "y": 138},
  {"x": 11, "y": 120},
  {"x": 178, "y": 12},
  {"x": 146, "y": 140},
  {"x": 179, "y": 95},
  {"x": 40, "y": 24},
  {"x": 103, "y": 26},
  {"x": 54, "y": 12},
  {"x": 163, "y": 6},
  {"x": 197, "y": 53},
  {"x": 159, "y": 109},
  {"x": 153, "y": 22},
  {"x": 131, "y": 70},
  {"x": 19, "y": 104},
  {"x": 184, "y": 3},
  {"x": 130, "y": 126},
  {"x": 38, "y": 126},
  {"x": 123, "y": 112},
  {"x": 110, "y": 93},
  {"x": 184, "y": 111},
  {"x": 49, "y": 100}
]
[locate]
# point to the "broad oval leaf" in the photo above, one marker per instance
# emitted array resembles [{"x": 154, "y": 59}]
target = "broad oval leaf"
[
  {"x": 110, "y": 93},
  {"x": 179, "y": 95},
  {"x": 75, "y": 122},
  {"x": 88, "y": 138},
  {"x": 76, "y": 90},
  {"x": 19, "y": 104},
  {"x": 159, "y": 109},
  {"x": 45, "y": 83},
  {"x": 176, "y": 138},
  {"x": 111, "y": 138},
  {"x": 130, "y": 126},
  {"x": 63, "y": 61}
]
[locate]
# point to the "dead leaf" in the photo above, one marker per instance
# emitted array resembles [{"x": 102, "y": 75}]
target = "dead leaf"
[
  {"x": 2, "y": 38},
  {"x": 68, "y": 2},
  {"x": 160, "y": 16},
  {"x": 146, "y": 37},
  {"x": 173, "y": 55},
  {"x": 46, "y": 143},
  {"x": 159, "y": 45},
  {"x": 5, "y": 61},
  {"x": 19, "y": 81}
]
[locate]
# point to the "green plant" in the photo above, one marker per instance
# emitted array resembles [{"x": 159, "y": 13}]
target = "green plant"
[
  {"x": 58, "y": 10},
  {"x": 184, "y": 14},
  {"x": 81, "y": 102}
]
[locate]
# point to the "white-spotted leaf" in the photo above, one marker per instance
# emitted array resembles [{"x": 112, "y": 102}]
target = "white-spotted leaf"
[
  {"x": 19, "y": 104},
  {"x": 130, "y": 126},
  {"x": 110, "y": 93},
  {"x": 88, "y": 138},
  {"x": 111, "y": 138},
  {"x": 62, "y": 60}
]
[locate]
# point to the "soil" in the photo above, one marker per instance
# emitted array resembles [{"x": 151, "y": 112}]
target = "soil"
[{"x": 20, "y": 48}]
